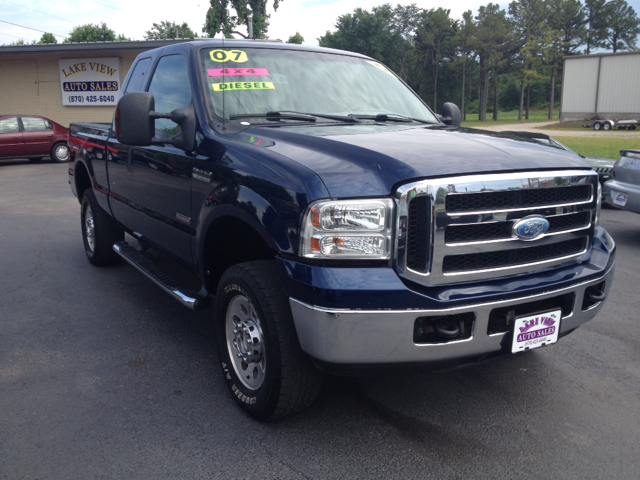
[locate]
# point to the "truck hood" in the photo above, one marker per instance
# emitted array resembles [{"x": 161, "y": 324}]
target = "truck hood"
[{"x": 371, "y": 160}]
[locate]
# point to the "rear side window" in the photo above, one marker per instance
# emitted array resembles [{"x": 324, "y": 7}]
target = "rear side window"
[
  {"x": 31, "y": 124},
  {"x": 170, "y": 89},
  {"x": 138, "y": 76},
  {"x": 9, "y": 125}
]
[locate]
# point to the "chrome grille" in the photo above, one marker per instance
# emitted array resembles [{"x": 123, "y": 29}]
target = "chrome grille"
[{"x": 460, "y": 229}]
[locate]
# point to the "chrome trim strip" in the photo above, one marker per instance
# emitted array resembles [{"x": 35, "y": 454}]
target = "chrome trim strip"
[{"x": 526, "y": 265}]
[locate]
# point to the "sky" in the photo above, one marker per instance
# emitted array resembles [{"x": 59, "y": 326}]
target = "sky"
[{"x": 27, "y": 19}]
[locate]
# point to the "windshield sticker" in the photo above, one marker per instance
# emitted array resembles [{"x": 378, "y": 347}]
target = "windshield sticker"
[
  {"x": 221, "y": 87},
  {"x": 380, "y": 67},
  {"x": 227, "y": 72},
  {"x": 237, "y": 56}
]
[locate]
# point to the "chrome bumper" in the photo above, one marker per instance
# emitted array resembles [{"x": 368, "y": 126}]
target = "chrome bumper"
[{"x": 386, "y": 337}]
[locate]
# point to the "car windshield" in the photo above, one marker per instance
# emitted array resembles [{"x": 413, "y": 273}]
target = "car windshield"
[{"x": 289, "y": 84}]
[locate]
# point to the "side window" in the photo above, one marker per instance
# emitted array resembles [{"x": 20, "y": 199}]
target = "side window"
[
  {"x": 137, "y": 78},
  {"x": 170, "y": 89},
  {"x": 32, "y": 124},
  {"x": 9, "y": 125}
]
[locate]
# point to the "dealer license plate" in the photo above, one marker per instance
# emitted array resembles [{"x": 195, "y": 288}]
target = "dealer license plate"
[
  {"x": 535, "y": 331},
  {"x": 619, "y": 198}
]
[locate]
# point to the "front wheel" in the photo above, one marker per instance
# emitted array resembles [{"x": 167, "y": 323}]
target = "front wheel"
[
  {"x": 60, "y": 152},
  {"x": 99, "y": 231},
  {"x": 266, "y": 370}
]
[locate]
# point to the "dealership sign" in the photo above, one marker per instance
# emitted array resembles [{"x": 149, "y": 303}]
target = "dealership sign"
[{"x": 90, "y": 82}]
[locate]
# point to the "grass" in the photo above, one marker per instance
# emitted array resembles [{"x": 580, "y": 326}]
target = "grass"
[
  {"x": 599, "y": 146},
  {"x": 506, "y": 118}
]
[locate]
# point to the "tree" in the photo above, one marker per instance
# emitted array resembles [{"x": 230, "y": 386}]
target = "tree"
[
  {"x": 221, "y": 19},
  {"x": 623, "y": 26},
  {"x": 463, "y": 41},
  {"x": 48, "y": 38},
  {"x": 596, "y": 24},
  {"x": 566, "y": 22},
  {"x": 166, "y": 30},
  {"x": 370, "y": 33},
  {"x": 435, "y": 36},
  {"x": 528, "y": 17},
  {"x": 493, "y": 32},
  {"x": 297, "y": 38},
  {"x": 91, "y": 33}
]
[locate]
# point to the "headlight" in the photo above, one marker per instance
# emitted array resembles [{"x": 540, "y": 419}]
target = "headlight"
[{"x": 350, "y": 229}]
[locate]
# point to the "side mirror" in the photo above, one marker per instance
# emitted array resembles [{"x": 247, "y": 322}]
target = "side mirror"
[
  {"x": 451, "y": 114},
  {"x": 135, "y": 122}
]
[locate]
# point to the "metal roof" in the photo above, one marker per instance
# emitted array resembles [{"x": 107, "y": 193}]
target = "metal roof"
[{"x": 90, "y": 46}]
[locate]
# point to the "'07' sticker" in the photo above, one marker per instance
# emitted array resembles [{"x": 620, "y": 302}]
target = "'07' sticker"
[{"x": 237, "y": 56}]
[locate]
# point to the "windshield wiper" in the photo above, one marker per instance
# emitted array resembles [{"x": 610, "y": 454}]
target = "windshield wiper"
[
  {"x": 289, "y": 115},
  {"x": 390, "y": 117}
]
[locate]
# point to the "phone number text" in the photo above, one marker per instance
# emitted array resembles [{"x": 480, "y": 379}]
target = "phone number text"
[{"x": 91, "y": 98}]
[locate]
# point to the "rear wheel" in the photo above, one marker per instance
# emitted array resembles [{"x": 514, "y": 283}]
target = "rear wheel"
[
  {"x": 597, "y": 126},
  {"x": 60, "y": 152},
  {"x": 606, "y": 126},
  {"x": 99, "y": 231},
  {"x": 266, "y": 370}
]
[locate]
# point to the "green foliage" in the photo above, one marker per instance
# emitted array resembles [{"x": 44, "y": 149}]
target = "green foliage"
[
  {"x": 166, "y": 30},
  {"x": 623, "y": 26},
  {"x": 220, "y": 17},
  {"x": 48, "y": 38},
  {"x": 600, "y": 146},
  {"x": 92, "y": 33},
  {"x": 297, "y": 38}
]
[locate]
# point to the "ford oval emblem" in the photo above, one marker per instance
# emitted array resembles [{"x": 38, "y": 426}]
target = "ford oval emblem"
[{"x": 530, "y": 228}]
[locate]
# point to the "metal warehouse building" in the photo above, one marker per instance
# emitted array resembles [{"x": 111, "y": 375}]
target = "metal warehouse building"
[
  {"x": 601, "y": 86},
  {"x": 67, "y": 82}
]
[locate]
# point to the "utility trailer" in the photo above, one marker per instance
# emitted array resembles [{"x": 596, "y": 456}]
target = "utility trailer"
[{"x": 620, "y": 125}]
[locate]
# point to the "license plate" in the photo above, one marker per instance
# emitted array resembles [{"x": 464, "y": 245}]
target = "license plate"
[
  {"x": 535, "y": 331},
  {"x": 619, "y": 198}
]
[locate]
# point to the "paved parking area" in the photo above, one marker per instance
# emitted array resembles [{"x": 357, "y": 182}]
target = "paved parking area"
[{"x": 103, "y": 376}]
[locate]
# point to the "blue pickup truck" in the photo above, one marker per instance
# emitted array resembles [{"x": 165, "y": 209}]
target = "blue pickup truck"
[{"x": 334, "y": 220}]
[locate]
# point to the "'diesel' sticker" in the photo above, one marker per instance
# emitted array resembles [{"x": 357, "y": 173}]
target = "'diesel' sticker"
[
  {"x": 228, "y": 72},
  {"x": 221, "y": 87},
  {"x": 237, "y": 56}
]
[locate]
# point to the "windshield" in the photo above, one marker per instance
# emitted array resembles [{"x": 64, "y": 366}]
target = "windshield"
[{"x": 256, "y": 81}]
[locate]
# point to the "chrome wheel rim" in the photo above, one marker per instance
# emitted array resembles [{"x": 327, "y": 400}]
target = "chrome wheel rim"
[
  {"x": 89, "y": 229},
  {"x": 62, "y": 153},
  {"x": 245, "y": 342}
]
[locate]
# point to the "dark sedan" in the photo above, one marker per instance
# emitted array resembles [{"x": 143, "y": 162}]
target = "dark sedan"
[{"x": 32, "y": 137}]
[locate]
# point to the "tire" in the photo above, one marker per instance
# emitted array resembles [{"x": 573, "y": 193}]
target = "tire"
[
  {"x": 606, "y": 126},
  {"x": 597, "y": 126},
  {"x": 36, "y": 160},
  {"x": 274, "y": 377},
  {"x": 60, "y": 152},
  {"x": 99, "y": 231}
]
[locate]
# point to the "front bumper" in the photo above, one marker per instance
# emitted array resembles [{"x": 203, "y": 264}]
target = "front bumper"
[{"x": 383, "y": 335}]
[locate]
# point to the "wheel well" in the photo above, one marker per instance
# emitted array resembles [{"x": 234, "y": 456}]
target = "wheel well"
[
  {"x": 82, "y": 179},
  {"x": 230, "y": 241}
]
